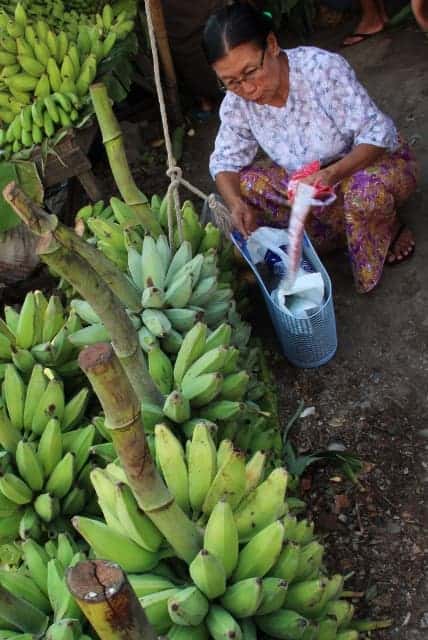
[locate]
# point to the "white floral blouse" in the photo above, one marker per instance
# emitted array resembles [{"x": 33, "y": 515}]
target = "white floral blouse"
[{"x": 326, "y": 114}]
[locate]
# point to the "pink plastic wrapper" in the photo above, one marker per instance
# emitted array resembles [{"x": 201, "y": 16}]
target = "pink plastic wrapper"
[
  {"x": 322, "y": 191},
  {"x": 303, "y": 197}
]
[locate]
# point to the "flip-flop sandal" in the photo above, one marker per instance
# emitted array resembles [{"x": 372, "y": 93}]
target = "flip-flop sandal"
[
  {"x": 411, "y": 250},
  {"x": 362, "y": 36}
]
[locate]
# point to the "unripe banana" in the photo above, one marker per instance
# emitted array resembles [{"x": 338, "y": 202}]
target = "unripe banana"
[
  {"x": 208, "y": 574},
  {"x": 274, "y": 591},
  {"x": 222, "y": 625},
  {"x": 229, "y": 483},
  {"x": 221, "y": 536},
  {"x": 170, "y": 454},
  {"x": 137, "y": 525},
  {"x": 147, "y": 583},
  {"x": 114, "y": 546},
  {"x": 61, "y": 479},
  {"x": 260, "y": 553},
  {"x": 243, "y": 598},
  {"x": 43, "y": 88},
  {"x": 287, "y": 563},
  {"x": 155, "y": 607},
  {"x": 187, "y": 633},
  {"x": 51, "y": 405},
  {"x": 54, "y": 75},
  {"x": 156, "y": 321},
  {"x": 202, "y": 465},
  {"x": 176, "y": 407},
  {"x": 190, "y": 350},
  {"x": 29, "y": 465},
  {"x": 9, "y": 435},
  {"x": 36, "y": 560},
  {"x": 42, "y": 53},
  {"x": 284, "y": 624},
  {"x": 161, "y": 370},
  {"x": 263, "y": 505},
  {"x": 31, "y": 66},
  {"x": 15, "y": 489},
  {"x": 14, "y": 395},
  {"x": 310, "y": 559},
  {"x": 22, "y": 82},
  {"x": 188, "y": 607}
]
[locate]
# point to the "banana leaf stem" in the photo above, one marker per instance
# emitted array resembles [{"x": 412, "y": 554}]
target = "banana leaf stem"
[
  {"x": 107, "y": 600},
  {"x": 115, "y": 149},
  {"x": 21, "y": 614},
  {"x": 123, "y": 419},
  {"x": 91, "y": 286}
]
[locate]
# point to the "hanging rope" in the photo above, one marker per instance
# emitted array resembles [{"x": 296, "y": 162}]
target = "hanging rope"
[{"x": 174, "y": 172}]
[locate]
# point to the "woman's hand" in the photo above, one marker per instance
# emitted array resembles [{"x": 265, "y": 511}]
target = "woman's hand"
[
  {"x": 325, "y": 177},
  {"x": 244, "y": 217}
]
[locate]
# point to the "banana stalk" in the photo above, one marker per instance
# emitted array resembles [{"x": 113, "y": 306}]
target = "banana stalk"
[
  {"x": 106, "y": 598},
  {"x": 127, "y": 293},
  {"x": 124, "y": 422},
  {"x": 113, "y": 143},
  {"x": 91, "y": 286},
  {"x": 21, "y": 613}
]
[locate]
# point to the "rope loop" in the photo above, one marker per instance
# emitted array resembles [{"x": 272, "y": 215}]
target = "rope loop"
[{"x": 175, "y": 173}]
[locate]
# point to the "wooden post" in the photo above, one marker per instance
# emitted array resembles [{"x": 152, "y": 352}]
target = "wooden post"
[
  {"x": 173, "y": 100},
  {"x": 103, "y": 593}
]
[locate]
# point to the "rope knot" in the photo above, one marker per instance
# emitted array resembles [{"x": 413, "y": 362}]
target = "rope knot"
[{"x": 175, "y": 173}]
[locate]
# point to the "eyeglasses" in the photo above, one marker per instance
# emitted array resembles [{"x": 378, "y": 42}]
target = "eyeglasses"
[{"x": 248, "y": 76}]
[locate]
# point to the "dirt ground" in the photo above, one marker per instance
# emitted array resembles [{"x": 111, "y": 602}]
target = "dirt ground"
[{"x": 372, "y": 396}]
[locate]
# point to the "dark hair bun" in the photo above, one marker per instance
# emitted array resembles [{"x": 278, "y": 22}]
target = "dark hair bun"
[{"x": 233, "y": 25}]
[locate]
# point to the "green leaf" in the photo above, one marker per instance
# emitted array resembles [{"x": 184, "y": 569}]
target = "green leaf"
[
  {"x": 8, "y": 218},
  {"x": 29, "y": 180}
]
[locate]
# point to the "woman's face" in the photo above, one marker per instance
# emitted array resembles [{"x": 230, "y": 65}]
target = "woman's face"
[{"x": 251, "y": 72}]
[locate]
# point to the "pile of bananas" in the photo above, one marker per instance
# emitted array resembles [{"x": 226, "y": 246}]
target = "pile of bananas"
[
  {"x": 41, "y": 584},
  {"x": 45, "y": 456},
  {"x": 189, "y": 311},
  {"x": 45, "y": 74},
  {"x": 116, "y": 230},
  {"x": 260, "y": 570},
  {"x": 38, "y": 333}
]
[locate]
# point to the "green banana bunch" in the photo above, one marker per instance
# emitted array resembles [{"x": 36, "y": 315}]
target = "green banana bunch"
[
  {"x": 39, "y": 333},
  {"x": 46, "y": 452},
  {"x": 48, "y": 58},
  {"x": 40, "y": 582}
]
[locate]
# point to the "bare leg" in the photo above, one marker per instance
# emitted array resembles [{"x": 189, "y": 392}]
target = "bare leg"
[
  {"x": 373, "y": 19},
  {"x": 420, "y": 10}
]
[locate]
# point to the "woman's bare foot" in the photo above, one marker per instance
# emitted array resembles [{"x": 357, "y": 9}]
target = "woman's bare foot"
[{"x": 402, "y": 245}]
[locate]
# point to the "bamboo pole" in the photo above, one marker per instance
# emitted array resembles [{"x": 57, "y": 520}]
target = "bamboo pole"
[
  {"x": 123, "y": 419},
  {"x": 103, "y": 593},
  {"x": 91, "y": 286},
  {"x": 115, "y": 149},
  {"x": 162, "y": 41},
  {"x": 21, "y": 614}
]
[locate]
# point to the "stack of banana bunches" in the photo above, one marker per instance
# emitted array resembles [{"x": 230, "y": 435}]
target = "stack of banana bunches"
[
  {"x": 259, "y": 572},
  {"x": 48, "y": 58}
]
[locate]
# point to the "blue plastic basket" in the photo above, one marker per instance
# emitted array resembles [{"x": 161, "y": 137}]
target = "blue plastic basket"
[{"x": 306, "y": 342}]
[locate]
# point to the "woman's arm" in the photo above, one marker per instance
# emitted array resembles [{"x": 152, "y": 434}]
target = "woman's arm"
[
  {"x": 361, "y": 156},
  {"x": 243, "y": 215}
]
